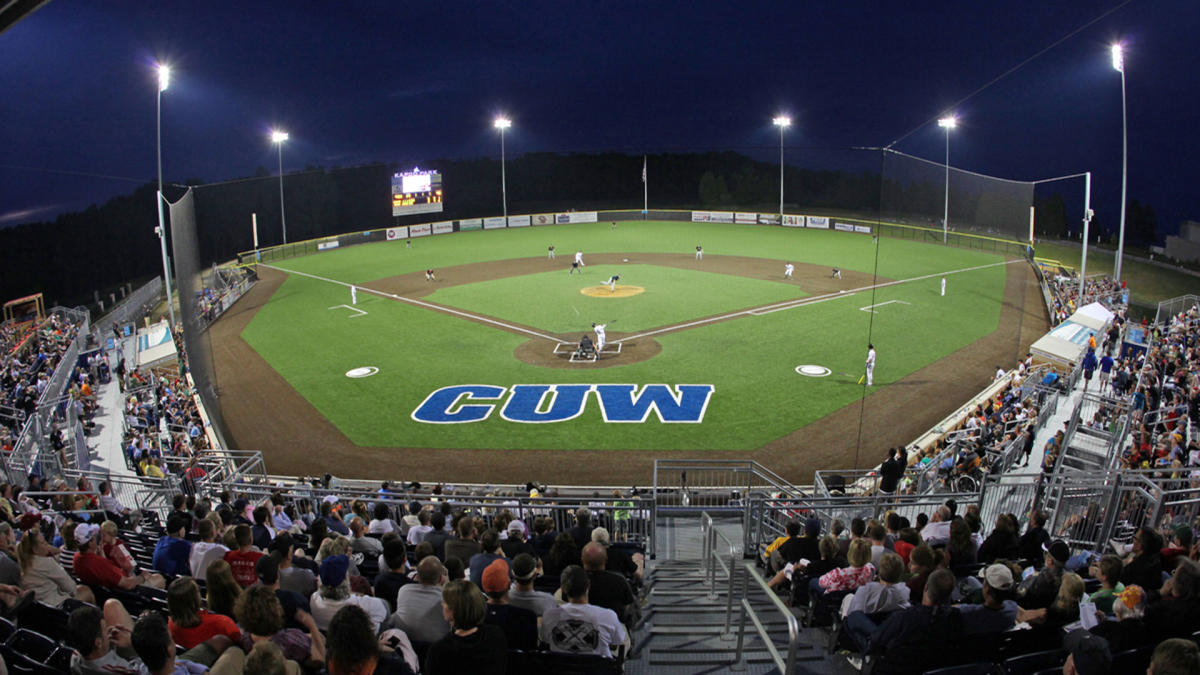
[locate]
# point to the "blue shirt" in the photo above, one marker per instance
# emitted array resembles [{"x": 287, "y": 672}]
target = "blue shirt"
[{"x": 171, "y": 556}]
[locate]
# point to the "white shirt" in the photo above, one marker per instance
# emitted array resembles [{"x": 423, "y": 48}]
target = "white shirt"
[
  {"x": 416, "y": 534},
  {"x": 870, "y": 357},
  {"x": 600, "y": 330},
  {"x": 419, "y": 613},
  {"x": 787, "y": 269},
  {"x": 323, "y": 609},
  {"x": 581, "y": 629},
  {"x": 204, "y": 554},
  {"x": 999, "y": 373},
  {"x": 579, "y": 256}
]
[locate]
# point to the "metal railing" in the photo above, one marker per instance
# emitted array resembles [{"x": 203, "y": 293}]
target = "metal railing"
[
  {"x": 715, "y": 484},
  {"x": 131, "y": 310},
  {"x": 785, "y": 664},
  {"x": 148, "y": 494},
  {"x": 1168, "y": 309},
  {"x": 711, "y": 560}
]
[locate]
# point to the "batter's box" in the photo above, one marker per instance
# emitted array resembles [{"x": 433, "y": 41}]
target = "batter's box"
[{"x": 572, "y": 352}]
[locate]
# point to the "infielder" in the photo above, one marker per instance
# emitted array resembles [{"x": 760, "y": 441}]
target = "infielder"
[
  {"x": 353, "y": 295},
  {"x": 429, "y": 275},
  {"x": 787, "y": 270},
  {"x": 943, "y": 287},
  {"x": 699, "y": 252},
  {"x": 870, "y": 364},
  {"x": 612, "y": 283},
  {"x": 550, "y": 251},
  {"x": 575, "y": 267},
  {"x": 579, "y": 258},
  {"x": 599, "y": 328},
  {"x": 837, "y": 273}
]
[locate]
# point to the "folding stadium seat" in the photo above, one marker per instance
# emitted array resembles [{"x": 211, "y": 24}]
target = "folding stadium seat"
[
  {"x": 6, "y": 630},
  {"x": 1027, "y": 664},
  {"x": 567, "y": 664},
  {"x": 34, "y": 645},
  {"x": 49, "y": 621},
  {"x": 1133, "y": 660},
  {"x": 19, "y": 664},
  {"x": 978, "y": 668},
  {"x": 60, "y": 660}
]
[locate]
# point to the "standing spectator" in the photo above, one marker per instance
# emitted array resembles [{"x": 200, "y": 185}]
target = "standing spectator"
[
  {"x": 471, "y": 646},
  {"x": 890, "y": 473},
  {"x": 243, "y": 560},
  {"x": 1036, "y": 539},
  {"x": 1089, "y": 366}
]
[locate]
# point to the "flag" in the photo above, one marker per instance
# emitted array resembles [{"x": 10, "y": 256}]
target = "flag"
[{"x": 643, "y": 168}]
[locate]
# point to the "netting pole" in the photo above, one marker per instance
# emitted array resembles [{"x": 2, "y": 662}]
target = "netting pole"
[{"x": 1087, "y": 220}]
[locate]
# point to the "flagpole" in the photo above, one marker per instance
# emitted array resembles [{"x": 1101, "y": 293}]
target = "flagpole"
[{"x": 645, "y": 190}]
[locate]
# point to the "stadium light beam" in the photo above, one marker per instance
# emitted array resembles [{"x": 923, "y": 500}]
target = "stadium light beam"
[
  {"x": 1118, "y": 62},
  {"x": 278, "y": 137},
  {"x": 503, "y": 123},
  {"x": 947, "y": 123},
  {"x": 783, "y": 122},
  {"x": 164, "y": 79}
]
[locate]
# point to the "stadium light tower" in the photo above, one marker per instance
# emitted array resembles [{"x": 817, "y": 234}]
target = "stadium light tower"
[
  {"x": 164, "y": 79},
  {"x": 278, "y": 137},
  {"x": 783, "y": 122},
  {"x": 502, "y": 123},
  {"x": 947, "y": 123},
  {"x": 1118, "y": 62}
]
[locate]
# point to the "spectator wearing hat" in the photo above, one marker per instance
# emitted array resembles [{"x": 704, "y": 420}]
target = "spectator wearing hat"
[
  {"x": 172, "y": 553},
  {"x": 526, "y": 568},
  {"x": 96, "y": 571},
  {"x": 1040, "y": 589},
  {"x": 520, "y": 625},
  {"x": 619, "y": 561},
  {"x": 329, "y": 513},
  {"x": 243, "y": 560},
  {"x": 334, "y": 593},
  {"x": 206, "y": 551},
  {"x": 292, "y": 577},
  {"x": 395, "y": 575},
  {"x": 267, "y": 570},
  {"x": 1087, "y": 654},
  {"x": 419, "y": 606},
  {"x": 1175, "y": 656},
  {"x": 1144, "y": 564},
  {"x": 999, "y": 611},
  {"x": 515, "y": 544},
  {"x": 489, "y": 544}
]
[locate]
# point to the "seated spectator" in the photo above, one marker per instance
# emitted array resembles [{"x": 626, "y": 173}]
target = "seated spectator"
[
  {"x": 788, "y": 548},
  {"x": 1176, "y": 613},
  {"x": 116, "y": 510},
  {"x": 607, "y": 589},
  {"x": 921, "y": 563},
  {"x": 261, "y": 614},
  {"x": 515, "y": 544},
  {"x": 152, "y": 641},
  {"x": 1181, "y": 543},
  {"x": 352, "y": 649},
  {"x": 96, "y": 571},
  {"x": 998, "y": 612},
  {"x": 526, "y": 568},
  {"x": 1064, "y": 609},
  {"x": 114, "y": 549},
  {"x": 263, "y": 530},
  {"x": 579, "y": 627},
  {"x": 563, "y": 554},
  {"x": 266, "y": 658},
  {"x": 41, "y": 573},
  {"x": 419, "y": 606},
  {"x": 471, "y": 646},
  {"x": 801, "y": 574},
  {"x": 489, "y": 544},
  {"x": 1086, "y": 653},
  {"x": 437, "y": 535},
  {"x": 859, "y": 572},
  {"x": 416, "y": 533},
  {"x": 243, "y": 559},
  {"x": 172, "y": 553},
  {"x": 360, "y": 542},
  {"x": 937, "y": 532},
  {"x": 629, "y": 566},
  {"x": 222, "y": 590},
  {"x": 206, "y": 551},
  {"x": 581, "y": 533},
  {"x": 1036, "y": 539},
  {"x": 395, "y": 574},
  {"x": 1175, "y": 656},
  {"x": 292, "y": 577},
  {"x": 884, "y": 595},
  {"x": 381, "y": 520},
  {"x": 334, "y": 592},
  {"x": 1108, "y": 570},
  {"x": 465, "y": 545},
  {"x": 916, "y": 639},
  {"x": 267, "y": 570},
  {"x": 1039, "y": 590},
  {"x": 190, "y": 624},
  {"x": 961, "y": 548},
  {"x": 1143, "y": 566},
  {"x": 331, "y": 516},
  {"x": 1002, "y": 543},
  {"x": 877, "y": 536}
]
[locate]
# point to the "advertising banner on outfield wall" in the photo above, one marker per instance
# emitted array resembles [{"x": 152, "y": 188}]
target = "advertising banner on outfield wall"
[
  {"x": 397, "y": 233},
  {"x": 844, "y": 227},
  {"x": 712, "y": 216},
  {"x": 493, "y": 223},
  {"x": 542, "y": 219},
  {"x": 518, "y": 221},
  {"x": 470, "y": 224},
  {"x": 419, "y": 230},
  {"x": 793, "y": 221},
  {"x": 768, "y": 218},
  {"x": 816, "y": 222},
  {"x": 745, "y": 218},
  {"x": 326, "y": 245},
  {"x": 863, "y": 229},
  {"x": 443, "y": 227},
  {"x": 576, "y": 217}
]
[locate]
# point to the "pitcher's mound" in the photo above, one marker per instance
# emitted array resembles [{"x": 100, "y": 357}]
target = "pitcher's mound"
[{"x": 619, "y": 292}]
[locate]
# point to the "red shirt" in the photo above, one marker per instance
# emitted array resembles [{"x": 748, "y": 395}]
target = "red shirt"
[
  {"x": 95, "y": 570},
  {"x": 243, "y": 566},
  {"x": 210, "y": 625}
]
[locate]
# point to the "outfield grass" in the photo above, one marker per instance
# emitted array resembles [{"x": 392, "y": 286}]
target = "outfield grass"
[{"x": 750, "y": 361}]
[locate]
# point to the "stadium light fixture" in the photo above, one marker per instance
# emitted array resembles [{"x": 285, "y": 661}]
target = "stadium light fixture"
[
  {"x": 502, "y": 123},
  {"x": 164, "y": 79},
  {"x": 949, "y": 122},
  {"x": 278, "y": 137},
  {"x": 783, "y": 122},
  {"x": 1118, "y": 62}
]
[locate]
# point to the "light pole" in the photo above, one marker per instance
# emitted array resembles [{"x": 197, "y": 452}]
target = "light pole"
[
  {"x": 1118, "y": 61},
  {"x": 278, "y": 137},
  {"x": 164, "y": 79},
  {"x": 947, "y": 123},
  {"x": 783, "y": 122},
  {"x": 503, "y": 123}
]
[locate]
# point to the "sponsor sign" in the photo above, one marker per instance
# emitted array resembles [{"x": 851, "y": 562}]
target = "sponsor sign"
[
  {"x": 712, "y": 216},
  {"x": 423, "y": 230},
  {"x": 493, "y": 223},
  {"x": 470, "y": 224},
  {"x": 864, "y": 229},
  {"x": 542, "y": 219},
  {"x": 745, "y": 218},
  {"x": 397, "y": 233},
  {"x": 768, "y": 218},
  {"x": 817, "y": 222},
  {"x": 844, "y": 227},
  {"x": 549, "y": 403},
  {"x": 793, "y": 221},
  {"x": 443, "y": 227},
  {"x": 576, "y": 217},
  {"x": 327, "y": 245},
  {"x": 518, "y": 221}
]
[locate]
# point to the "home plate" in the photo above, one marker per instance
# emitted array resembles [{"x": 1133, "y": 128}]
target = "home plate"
[
  {"x": 813, "y": 371},
  {"x": 365, "y": 371}
]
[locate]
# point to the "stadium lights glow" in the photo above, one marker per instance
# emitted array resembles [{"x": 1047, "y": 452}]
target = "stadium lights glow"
[
  {"x": 948, "y": 122},
  {"x": 1118, "y": 58},
  {"x": 278, "y": 136},
  {"x": 782, "y": 121},
  {"x": 164, "y": 77},
  {"x": 1118, "y": 61},
  {"x": 502, "y": 123}
]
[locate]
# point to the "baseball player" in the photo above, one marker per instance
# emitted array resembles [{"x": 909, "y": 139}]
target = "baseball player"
[
  {"x": 787, "y": 270},
  {"x": 870, "y": 364},
  {"x": 599, "y": 328},
  {"x": 429, "y": 275},
  {"x": 408, "y": 243},
  {"x": 943, "y": 286},
  {"x": 575, "y": 267},
  {"x": 612, "y": 283},
  {"x": 837, "y": 273},
  {"x": 579, "y": 259},
  {"x": 699, "y": 252},
  {"x": 550, "y": 251},
  {"x": 353, "y": 295}
]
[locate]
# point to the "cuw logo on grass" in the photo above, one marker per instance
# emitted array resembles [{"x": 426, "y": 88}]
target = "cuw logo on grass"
[{"x": 546, "y": 403}]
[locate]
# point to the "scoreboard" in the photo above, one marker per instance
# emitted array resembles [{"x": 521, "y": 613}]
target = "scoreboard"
[{"x": 416, "y": 191}]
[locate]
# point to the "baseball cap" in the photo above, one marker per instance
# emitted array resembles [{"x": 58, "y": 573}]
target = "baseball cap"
[
  {"x": 333, "y": 570},
  {"x": 1089, "y": 652},
  {"x": 495, "y": 577},
  {"x": 523, "y": 567},
  {"x": 517, "y": 527},
  {"x": 330, "y": 499},
  {"x": 84, "y": 533},
  {"x": 997, "y": 576},
  {"x": 1059, "y": 551}
]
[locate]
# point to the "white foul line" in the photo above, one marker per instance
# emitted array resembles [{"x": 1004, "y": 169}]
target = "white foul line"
[
  {"x": 352, "y": 309},
  {"x": 871, "y": 308}
]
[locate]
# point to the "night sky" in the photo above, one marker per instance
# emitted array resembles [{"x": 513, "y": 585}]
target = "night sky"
[{"x": 357, "y": 81}]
